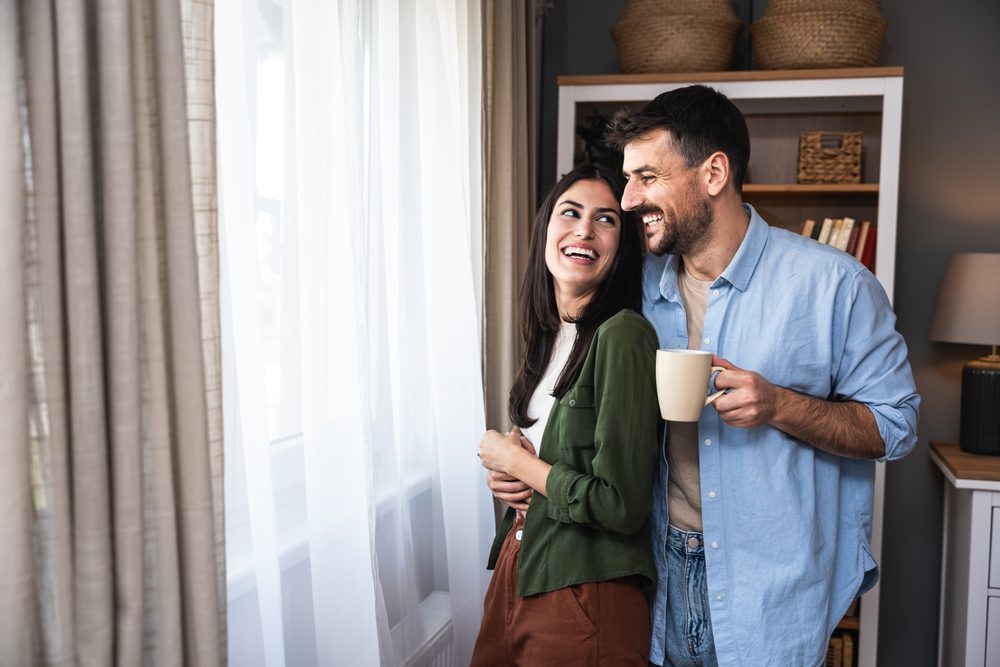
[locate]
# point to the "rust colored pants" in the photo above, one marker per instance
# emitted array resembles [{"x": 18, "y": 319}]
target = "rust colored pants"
[{"x": 602, "y": 623}]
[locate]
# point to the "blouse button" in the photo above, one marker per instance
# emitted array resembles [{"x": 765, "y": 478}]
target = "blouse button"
[{"x": 572, "y": 402}]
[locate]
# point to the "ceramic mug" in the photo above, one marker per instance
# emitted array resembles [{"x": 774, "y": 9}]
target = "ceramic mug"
[{"x": 682, "y": 383}]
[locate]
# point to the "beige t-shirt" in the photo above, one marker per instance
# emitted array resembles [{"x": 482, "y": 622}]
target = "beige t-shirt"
[{"x": 684, "y": 483}]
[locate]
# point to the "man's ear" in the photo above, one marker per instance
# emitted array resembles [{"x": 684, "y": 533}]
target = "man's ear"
[{"x": 716, "y": 172}]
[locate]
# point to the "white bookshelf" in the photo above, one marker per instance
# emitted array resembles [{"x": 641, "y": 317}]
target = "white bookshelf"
[{"x": 779, "y": 105}]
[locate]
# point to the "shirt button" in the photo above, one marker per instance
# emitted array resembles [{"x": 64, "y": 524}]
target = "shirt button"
[
  {"x": 708, "y": 340},
  {"x": 708, "y": 442},
  {"x": 716, "y": 292},
  {"x": 572, "y": 402},
  {"x": 715, "y": 545},
  {"x": 518, "y": 534},
  {"x": 711, "y": 494},
  {"x": 719, "y": 597}
]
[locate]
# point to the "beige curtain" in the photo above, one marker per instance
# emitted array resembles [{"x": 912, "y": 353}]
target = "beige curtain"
[
  {"x": 511, "y": 43},
  {"x": 110, "y": 515}
]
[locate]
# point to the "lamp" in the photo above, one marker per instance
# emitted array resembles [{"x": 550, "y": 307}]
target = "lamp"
[{"x": 968, "y": 311}]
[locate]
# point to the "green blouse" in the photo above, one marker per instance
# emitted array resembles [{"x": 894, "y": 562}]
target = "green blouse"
[{"x": 601, "y": 442}]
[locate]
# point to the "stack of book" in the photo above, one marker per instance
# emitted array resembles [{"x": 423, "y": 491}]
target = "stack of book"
[{"x": 854, "y": 238}]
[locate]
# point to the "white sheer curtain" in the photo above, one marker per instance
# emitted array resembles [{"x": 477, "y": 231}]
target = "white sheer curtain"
[{"x": 358, "y": 522}]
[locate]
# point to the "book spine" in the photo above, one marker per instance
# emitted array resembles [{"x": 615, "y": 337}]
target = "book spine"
[
  {"x": 824, "y": 234},
  {"x": 807, "y": 227},
  {"x": 845, "y": 233},
  {"x": 862, "y": 237}
]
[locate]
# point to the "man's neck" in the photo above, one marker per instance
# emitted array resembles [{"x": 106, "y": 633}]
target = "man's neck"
[{"x": 728, "y": 230}]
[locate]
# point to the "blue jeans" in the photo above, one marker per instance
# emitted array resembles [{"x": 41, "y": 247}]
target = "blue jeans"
[{"x": 689, "y": 640}]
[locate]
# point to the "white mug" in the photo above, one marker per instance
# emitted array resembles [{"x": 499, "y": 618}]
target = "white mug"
[{"x": 682, "y": 383}]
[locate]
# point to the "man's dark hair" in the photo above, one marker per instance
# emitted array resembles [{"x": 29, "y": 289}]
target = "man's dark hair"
[
  {"x": 700, "y": 120},
  {"x": 540, "y": 319}
]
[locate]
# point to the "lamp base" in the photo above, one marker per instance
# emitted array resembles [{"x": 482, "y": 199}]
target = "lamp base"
[{"x": 979, "y": 429}]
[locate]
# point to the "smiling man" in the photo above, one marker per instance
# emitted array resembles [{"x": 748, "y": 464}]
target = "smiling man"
[{"x": 762, "y": 516}]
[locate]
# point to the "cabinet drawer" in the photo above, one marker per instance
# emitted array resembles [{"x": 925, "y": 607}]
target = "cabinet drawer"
[{"x": 995, "y": 551}]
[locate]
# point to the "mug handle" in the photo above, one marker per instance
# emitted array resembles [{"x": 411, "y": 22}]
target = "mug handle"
[{"x": 711, "y": 399}]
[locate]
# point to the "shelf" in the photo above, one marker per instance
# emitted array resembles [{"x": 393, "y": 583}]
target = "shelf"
[
  {"x": 849, "y": 623},
  {"x": 741, "y": 75},
  {"x": 794, "y": 189}
]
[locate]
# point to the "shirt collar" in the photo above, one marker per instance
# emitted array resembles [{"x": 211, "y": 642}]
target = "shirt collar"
[
  {"x": 661, "y": 276},
  {"x": 744, "y": 263}
]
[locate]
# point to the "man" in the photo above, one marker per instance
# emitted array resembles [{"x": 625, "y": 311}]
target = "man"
[{"x": 763, "y": 507}]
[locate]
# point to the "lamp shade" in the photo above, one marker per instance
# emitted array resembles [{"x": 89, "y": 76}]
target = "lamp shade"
[{"x": 968, "y": 306}]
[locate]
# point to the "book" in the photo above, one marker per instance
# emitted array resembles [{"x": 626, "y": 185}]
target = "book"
[
  {"x": 807, "y": 227},
  {"x": 868, "y": 256},
  {"x": 848, "y": 652},
  {"x": 852, "y": 242},
  {"x": 838, "y": 224},
  {"x": 816, "y": 230},
  {"x": 845, "y": 233},
  {"x": 835, "y": 652},
  {"x": 824, "y": 233},
  {"x": 862, "y": 235}
]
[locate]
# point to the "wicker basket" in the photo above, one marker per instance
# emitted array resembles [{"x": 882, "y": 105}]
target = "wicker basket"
[
  {"x": 676, "y": 43},
  {"x": 811, "y": 34},
  {"x": 830, "y": 157}
]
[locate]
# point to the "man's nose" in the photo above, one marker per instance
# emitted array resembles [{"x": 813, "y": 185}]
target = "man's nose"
[{"x": 630, "y": 199}]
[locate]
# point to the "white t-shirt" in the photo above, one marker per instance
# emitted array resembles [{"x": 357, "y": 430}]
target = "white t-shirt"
[{"x": 541, "y": 401}]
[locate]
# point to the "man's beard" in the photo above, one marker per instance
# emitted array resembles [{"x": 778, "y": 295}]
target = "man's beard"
[{"x": 687, "y": 232}]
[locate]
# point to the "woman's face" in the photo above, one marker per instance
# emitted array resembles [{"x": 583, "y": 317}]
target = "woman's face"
[{"x": 581, "y": 242}]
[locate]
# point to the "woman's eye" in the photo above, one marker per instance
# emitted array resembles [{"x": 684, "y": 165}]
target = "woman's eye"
[
  {"x": 571, "y": 212},
  {"x": 611, "y": 220}
]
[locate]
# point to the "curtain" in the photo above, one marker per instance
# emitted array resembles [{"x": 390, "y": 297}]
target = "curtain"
[
  {"x": 109, "y": 467},
  {"x": 512, "y": 44},
  {"x": 358, "y": 521}
]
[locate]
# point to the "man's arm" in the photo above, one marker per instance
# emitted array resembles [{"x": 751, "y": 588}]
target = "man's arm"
[{"x": 844, "y": 428}]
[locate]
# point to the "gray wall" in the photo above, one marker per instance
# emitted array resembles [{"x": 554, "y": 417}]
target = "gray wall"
[{"x": 949, "y": 202}]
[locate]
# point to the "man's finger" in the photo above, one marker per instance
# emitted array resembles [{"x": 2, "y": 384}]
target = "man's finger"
[{"x": 508, "y": 487}]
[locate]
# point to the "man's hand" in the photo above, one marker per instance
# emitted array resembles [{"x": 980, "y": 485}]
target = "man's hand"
[{"x": 751, "y": 401}]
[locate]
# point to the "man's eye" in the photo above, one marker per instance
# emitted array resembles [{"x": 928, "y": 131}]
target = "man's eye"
[{"x": 647, "y": 178}]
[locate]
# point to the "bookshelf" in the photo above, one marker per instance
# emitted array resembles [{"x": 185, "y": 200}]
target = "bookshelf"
[{"x": 779, "y": 107}]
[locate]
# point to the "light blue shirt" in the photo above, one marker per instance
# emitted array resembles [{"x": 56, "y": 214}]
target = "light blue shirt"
[{"x": 787, "y": 526}]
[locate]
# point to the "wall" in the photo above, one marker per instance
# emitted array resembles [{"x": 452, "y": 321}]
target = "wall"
[{"x": 949, "y": 202}]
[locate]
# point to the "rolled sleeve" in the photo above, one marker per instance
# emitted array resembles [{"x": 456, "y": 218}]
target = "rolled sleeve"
[{"x": 874, "y": 369}]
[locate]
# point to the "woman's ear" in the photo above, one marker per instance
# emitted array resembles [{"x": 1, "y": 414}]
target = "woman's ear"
[{"x": 716, "y": 172}]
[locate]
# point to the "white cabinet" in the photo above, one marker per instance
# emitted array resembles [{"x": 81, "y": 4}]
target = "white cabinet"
[
  {"x": 779, "y": 106},
  {"x": 969, "y": 633}
]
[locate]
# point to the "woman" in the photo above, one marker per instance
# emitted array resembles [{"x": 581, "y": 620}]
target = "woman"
[{"x": 570, "y": 572}]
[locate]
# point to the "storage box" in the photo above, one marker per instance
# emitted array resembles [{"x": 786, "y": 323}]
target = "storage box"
[{"x": 830, "y": 157}]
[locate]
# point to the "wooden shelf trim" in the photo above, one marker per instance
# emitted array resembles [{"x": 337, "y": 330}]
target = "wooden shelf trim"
[
  {"x": 741, "y": 75},
  {"x": 798, "y": 189},
  {"x": 966, "y": 466},
  {"x": 849, "y": 623}
]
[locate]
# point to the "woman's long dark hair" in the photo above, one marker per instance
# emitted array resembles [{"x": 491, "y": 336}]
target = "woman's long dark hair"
[{"x": 622, "y": 288}]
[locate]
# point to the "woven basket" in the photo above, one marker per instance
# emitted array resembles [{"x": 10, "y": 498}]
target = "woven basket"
[
  {"x": 643, "y": 10},
  {"x": 676, "y": 43},
  {"x": 817, "y": 39},
  {"x": 830, "y": 157},
  {"x": 862, "y": 7}
]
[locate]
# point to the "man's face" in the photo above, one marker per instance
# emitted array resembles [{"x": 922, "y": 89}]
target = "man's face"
[{"x": 675, "y": 212}]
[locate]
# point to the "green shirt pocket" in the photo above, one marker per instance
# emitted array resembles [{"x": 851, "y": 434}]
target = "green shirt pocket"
[{"x": 578, "y": 418}]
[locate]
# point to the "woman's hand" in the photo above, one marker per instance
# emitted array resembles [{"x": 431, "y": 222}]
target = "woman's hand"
[
  {"x": 513, "y": 455},
  {"x": 508, "y": 489},
  {"x": 499, "y": 452}
]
